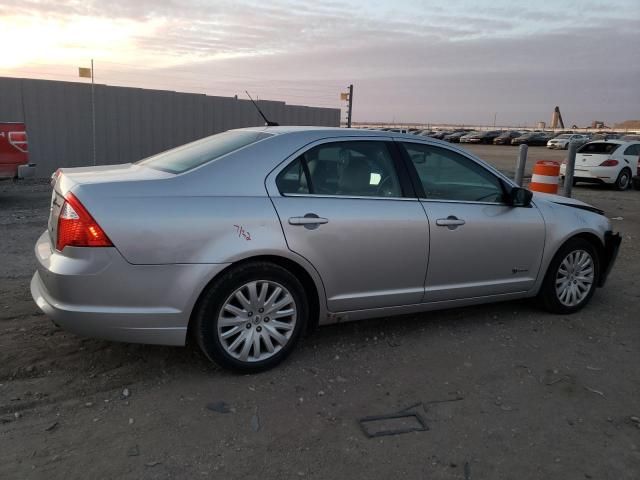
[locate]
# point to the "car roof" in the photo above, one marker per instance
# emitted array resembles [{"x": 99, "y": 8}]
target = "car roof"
[
  {"x": 615, "y": 141},
  {"x": 329, "y": 132}
]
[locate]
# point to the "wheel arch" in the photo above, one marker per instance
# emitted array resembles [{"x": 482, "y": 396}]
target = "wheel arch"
[
  {"x": 312, "y": 289},
  {"x": 590, "y": 237}
]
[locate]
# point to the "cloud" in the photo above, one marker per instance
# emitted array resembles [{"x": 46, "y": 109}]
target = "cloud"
[{"x": 438, "y": 60}]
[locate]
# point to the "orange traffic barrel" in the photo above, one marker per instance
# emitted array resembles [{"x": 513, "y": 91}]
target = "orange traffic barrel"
[{"x": 545, "y": 177}]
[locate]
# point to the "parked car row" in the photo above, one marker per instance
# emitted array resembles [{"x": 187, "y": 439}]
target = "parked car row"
[{"x": 552, "y": 140}]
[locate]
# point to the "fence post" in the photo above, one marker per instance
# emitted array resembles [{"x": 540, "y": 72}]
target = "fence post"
[
  {"x": 568, "y": 173},
  {"x": 522, "y": 160}
]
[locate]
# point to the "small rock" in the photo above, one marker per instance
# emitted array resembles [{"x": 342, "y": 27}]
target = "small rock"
[
  {"x": 152, "y": 464},
  {"x": 17, "y": 415},
  {"x": 133, "y": 451},
  {"x": 340, "y": 379},
  {"x": 220, "y": 407},
  {"x": 255, "y": 422},
  {"x": 51, "y": 427},
  {"x": 131, "y": 421},
  {"x": 321, "y": 393},
  {"x": 635, "y": 419},
  {"x": 126, "y": 393},
  {"x": 30, "y": 369},
  {"x": 88, "y": 404}
]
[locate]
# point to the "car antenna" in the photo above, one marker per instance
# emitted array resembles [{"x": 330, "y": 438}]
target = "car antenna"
[{"x": 268, "y": 123}]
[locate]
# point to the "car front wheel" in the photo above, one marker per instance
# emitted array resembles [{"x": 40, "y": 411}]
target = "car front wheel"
[
  {"x": 571, "y": 278},
  {"x": 251, "y": 318}
]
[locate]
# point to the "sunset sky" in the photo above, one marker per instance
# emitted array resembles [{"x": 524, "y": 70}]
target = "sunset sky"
[{"x": 410, "y": 61}]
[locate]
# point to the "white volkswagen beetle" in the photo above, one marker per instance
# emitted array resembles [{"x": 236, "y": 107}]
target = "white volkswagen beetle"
[{"x": 611, "y": 162}]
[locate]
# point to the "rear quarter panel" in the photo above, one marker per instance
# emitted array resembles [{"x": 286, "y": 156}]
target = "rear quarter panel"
[{"x": 184, "y": 228}]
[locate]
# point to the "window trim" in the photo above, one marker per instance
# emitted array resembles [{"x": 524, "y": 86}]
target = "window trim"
[
  {"x": 407, "y": 192},
  {"x": 417, "y": 183},
  {"x": 636, "y": 146}
]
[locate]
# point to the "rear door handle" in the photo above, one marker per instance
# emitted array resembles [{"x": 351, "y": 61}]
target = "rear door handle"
[
  {"x": 310, "y": 220},
  {"x": 451, "y": 221}
]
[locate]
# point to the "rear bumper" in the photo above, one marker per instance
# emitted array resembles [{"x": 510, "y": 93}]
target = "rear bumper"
[
  {"x": 611, "y": 248},
  {"x": 592, "y": 174},
  {"x": 94, "y": 292}
]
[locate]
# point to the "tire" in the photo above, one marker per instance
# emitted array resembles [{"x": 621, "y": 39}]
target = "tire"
[
  {"x": 635, "y": 182},
  {"x": 262, "y": 344},
  {"x": 553, "y": 298},
  {"x": 624, "y": 180}
]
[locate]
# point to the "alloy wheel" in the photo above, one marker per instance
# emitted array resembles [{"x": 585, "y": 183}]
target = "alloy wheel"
[
  {"x": 575, "y": 278},
  {"x": 257, "y": 321}
]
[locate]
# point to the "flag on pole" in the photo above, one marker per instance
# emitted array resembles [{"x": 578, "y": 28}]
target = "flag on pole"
[
  {"x": 343, "y": 96},
  {"x": 84, "y": 72}
]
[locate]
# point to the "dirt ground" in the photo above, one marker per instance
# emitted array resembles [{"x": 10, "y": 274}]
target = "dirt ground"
[{"x": 507, "y": 390}]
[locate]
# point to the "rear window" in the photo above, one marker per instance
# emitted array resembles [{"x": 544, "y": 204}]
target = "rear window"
[
  {"x": 599, "y": 148},
  {"x": 194, "y": 154}
]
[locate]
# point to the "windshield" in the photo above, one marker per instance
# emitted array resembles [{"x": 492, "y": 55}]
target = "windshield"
[
  {"x": 194, "y": 154},
  {"x": 564, "y": 136},
  {"x": 599, "y": 148}
]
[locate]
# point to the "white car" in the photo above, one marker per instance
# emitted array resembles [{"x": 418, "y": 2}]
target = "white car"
[
  {"x": 611, "y": 162},
  {"x": 562, "y": 141}
]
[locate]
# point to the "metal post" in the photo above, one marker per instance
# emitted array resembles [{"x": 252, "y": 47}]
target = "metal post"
[
  {"x": 568, "y": 174},
  {"x": 522, "y": 161},
  {"x": 93, "y": 114},
  {"x": 350, "y": 106}
]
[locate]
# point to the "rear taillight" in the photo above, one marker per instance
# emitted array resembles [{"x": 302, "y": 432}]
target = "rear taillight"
[
  {"x": 19, "y": 141},
  {"x": 609, "y": 163},
  {"x": 77, "y": 228}
]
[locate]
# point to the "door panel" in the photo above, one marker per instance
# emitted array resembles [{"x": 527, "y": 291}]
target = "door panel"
[
  {"x": 497, "y": 250},
  {"x": 370, "y": 253},
  {"x": 478, "y": 245}
]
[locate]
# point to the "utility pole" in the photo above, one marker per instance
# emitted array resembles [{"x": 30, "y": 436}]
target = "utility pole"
[
  {"x": 350, "y": 106},
  {"x": 93, "y": 114},
  {"x": 349, "y": 97}
]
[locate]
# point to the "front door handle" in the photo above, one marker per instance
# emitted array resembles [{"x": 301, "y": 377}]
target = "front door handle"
[
  {"x": 452, "y": 222},
  {"x": 310, "y": 220}
]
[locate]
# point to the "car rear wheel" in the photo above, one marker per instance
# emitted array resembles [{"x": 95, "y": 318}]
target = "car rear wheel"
[
  {"x": 251, "y": 318},
  {"x": 624, "y": 179},
  {"x": 571, "y": 278}
]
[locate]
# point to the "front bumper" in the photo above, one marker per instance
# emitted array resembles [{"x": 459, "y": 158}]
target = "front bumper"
[
  {"x": 610, "y": 254},
  {"x": 94, "y": 292}
]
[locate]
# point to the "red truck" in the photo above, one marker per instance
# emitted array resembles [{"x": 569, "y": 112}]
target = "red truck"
[{"x": 14, "y": 151}]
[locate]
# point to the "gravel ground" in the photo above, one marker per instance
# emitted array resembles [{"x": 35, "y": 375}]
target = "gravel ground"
[{"x": 506, "y": 390}]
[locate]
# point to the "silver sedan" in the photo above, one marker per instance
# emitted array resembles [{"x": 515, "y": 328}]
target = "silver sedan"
[{"x": 250, "y": 238}]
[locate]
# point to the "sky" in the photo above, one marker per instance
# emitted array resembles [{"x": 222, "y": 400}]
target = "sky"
[{"x": 449, "y": 61}]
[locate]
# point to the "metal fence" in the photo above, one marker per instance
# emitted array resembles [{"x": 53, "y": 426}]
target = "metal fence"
[{"x": 131, "y": 123}]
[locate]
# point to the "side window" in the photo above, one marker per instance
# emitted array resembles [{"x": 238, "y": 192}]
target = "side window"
[
  {"x": 360, "y": 168},
  {"x": 632, "y": 150},
  {"x": 447, "y": 175}
]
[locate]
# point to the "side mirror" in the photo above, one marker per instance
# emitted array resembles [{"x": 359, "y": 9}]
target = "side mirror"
[{"x": 520, "y": 197}]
